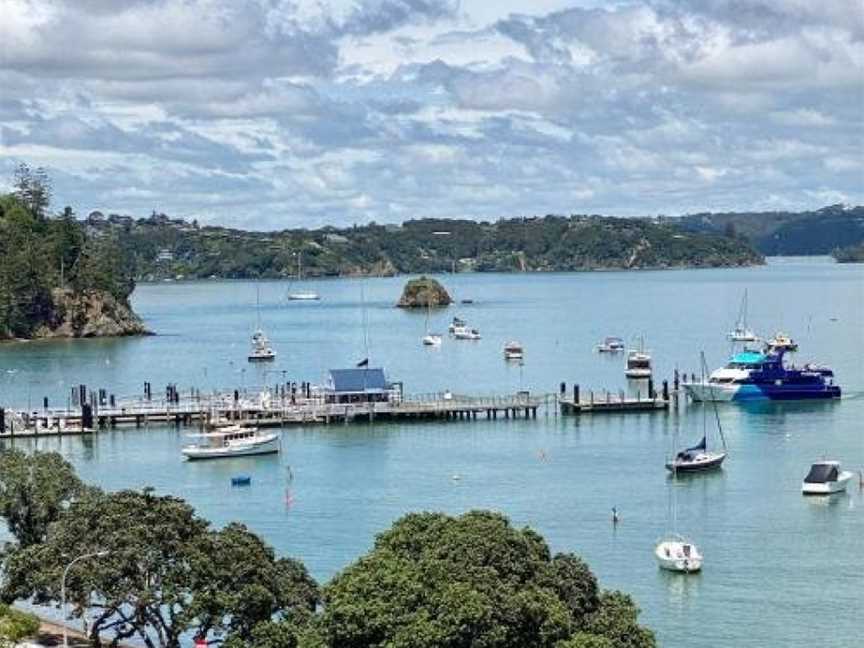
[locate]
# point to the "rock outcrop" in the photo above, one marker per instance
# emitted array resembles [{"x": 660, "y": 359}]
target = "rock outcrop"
[
  {"x": 423, "y": 292},
  {"x": 93, "y": 313}
]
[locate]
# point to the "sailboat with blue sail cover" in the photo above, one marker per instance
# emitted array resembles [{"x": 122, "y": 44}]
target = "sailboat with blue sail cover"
[{"x": 699, "y": 458}]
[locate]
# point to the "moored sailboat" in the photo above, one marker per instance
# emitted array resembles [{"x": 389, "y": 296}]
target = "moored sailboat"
[{"x": 742, "y": 332}]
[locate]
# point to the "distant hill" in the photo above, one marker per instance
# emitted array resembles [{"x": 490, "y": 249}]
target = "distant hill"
[
  {"x": 787, "y": 233},
  {"x": 159, "y": 247}
]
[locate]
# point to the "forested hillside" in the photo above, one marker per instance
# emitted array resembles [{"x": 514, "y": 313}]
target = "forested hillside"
[
  {"x": 54, "y": 278},
  {"x": 160, "y": 247},
  {"x": 788, "y": 233}
]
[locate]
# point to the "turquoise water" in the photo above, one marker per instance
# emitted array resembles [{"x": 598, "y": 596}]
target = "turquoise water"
[{"x": 780, "y": 569}]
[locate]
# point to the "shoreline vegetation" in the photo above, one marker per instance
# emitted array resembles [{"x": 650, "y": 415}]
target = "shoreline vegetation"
[
  {"x": 153, "y": 571},
  {"x": 56, "y": 279}
]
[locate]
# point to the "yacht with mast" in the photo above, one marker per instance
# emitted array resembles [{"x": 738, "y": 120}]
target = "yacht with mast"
[
  {"x": 303, "y": 295},
  {"x": 742, "y": 332},
  {"x": 261, "y": 350},
  {"x": 674, "y": 552},
  {"x": 699, "y": 458}
]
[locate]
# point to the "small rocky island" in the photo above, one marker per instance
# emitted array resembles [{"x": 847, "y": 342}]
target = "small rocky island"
[{"x": 423, "y": 292}]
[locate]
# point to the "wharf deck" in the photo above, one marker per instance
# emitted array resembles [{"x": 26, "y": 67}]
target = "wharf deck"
[
  {"x": 607, "y": 402},
  {"x": 266, "y": 412}
]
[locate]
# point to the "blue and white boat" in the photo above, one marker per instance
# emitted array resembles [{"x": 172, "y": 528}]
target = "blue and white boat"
[{"x": 754, "y": 375}]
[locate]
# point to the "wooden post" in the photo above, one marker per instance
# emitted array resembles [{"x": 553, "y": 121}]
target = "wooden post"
[{"x": 575, "y": 394}]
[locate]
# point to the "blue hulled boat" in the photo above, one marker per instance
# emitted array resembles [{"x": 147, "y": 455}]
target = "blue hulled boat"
[{"x": 762, "y": 375}]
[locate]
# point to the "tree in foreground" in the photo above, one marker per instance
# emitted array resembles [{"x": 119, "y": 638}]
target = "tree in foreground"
[
  {"x": 435, "y": 581},
  {"x": 166, "y": 574},
  {"x": 34, "y": 490}
]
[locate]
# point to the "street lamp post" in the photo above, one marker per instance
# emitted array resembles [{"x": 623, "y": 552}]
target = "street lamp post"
[{"x": 95, "y": 554}]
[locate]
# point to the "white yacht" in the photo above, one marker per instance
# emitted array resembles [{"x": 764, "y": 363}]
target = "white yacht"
[
  {"x": 513, "y": 350},
  {"x": 465, "y": 333},
  {"x": 432, "y": 339},
  {"x": 261, "y": 349},
  {"x": 638, "y": 364},
  {"x": 825, "y": 478},
  {"x": 678, "y": 554},
  {"x": 742, "y": 332},
  {"x": 456, "y": 323},
  {"x": 304, "y": 295},
  {"x": 232, "y": 441},
  {"x": 611, "y": 345}
]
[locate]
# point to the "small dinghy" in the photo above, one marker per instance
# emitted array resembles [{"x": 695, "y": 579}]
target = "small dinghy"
[
  {"x": 241, "y": 480},
  {"x": 432, "y": 339},
  {"x": 825, "y": 478}
]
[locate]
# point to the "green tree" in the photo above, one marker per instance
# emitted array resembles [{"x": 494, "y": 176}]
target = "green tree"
[
  {"x": 436, "y": 581},
  {"x": 34, "y": 491},
  {"x": 166, "y": 572},
  {"x": 33, "y": 188}
]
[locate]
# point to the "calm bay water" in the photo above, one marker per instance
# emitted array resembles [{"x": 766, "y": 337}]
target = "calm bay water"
[{"x": 780, "y": 569}]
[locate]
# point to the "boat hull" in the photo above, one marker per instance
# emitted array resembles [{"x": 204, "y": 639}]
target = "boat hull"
[
  {"x": 673, "y": 556},
  {"x": 828, "y": 488},
  {"x": 709, "y": 461},
  {"x": 638, "y": 373},
  {"x": 707, "y": 392},
  {"x": 267, "y": 446}
]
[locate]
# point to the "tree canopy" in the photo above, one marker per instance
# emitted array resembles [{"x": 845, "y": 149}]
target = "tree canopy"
[
  {"x": 166, "y": 572},
  {"x": 150, "y": 569},
  {"x": 448, "y": 582},
  {"x": 40, "y": 254}
]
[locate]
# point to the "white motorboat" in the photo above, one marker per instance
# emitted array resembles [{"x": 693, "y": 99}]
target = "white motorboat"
[
  {"x": 611, "y": 345},
  {"x": 825, "y": 478},
  {"x": 261, "y": 349},
  {"x": 432, "y": 339},
  {"x": 638, "y": 365},
  {"x": 465, "y": 333},
  {"x": 677, "y": 554},
  {"x": 781, "y": 342},
  {"x": 456, "y": 323},
  {"x": 742, "y": 332},
  {"x": 513, "y": 351},
  {"x": 232, "y": 441}
]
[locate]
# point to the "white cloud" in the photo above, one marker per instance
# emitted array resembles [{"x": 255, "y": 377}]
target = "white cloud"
[{"x": 312, "y": 113}]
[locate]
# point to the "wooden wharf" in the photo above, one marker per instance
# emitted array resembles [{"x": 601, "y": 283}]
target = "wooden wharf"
[
  {"x": 578, "y": 402},
  {"x": 263, "y": 410},
  {"x": 309, "y": 405}
]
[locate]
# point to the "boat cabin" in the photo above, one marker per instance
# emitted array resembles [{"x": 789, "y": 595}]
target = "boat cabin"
[
  {"x": 823, "y": 472},
  {"x": 360, "y": 385}
]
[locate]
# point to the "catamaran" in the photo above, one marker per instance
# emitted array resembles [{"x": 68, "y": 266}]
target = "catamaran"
[
  {"x": 741, "y": 332},
  {"x": 762, "y": 375}
]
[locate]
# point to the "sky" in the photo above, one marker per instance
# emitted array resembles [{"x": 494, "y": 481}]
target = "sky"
[{"x": 270, "y": 114}]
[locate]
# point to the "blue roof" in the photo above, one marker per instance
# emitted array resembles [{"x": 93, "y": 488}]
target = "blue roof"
[
  {"x": 358, "y": 380},
  {"x": 748, "y": 357}
]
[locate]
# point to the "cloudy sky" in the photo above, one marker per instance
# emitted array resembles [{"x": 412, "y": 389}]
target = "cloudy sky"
[{"x": 271, "y": 113}]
